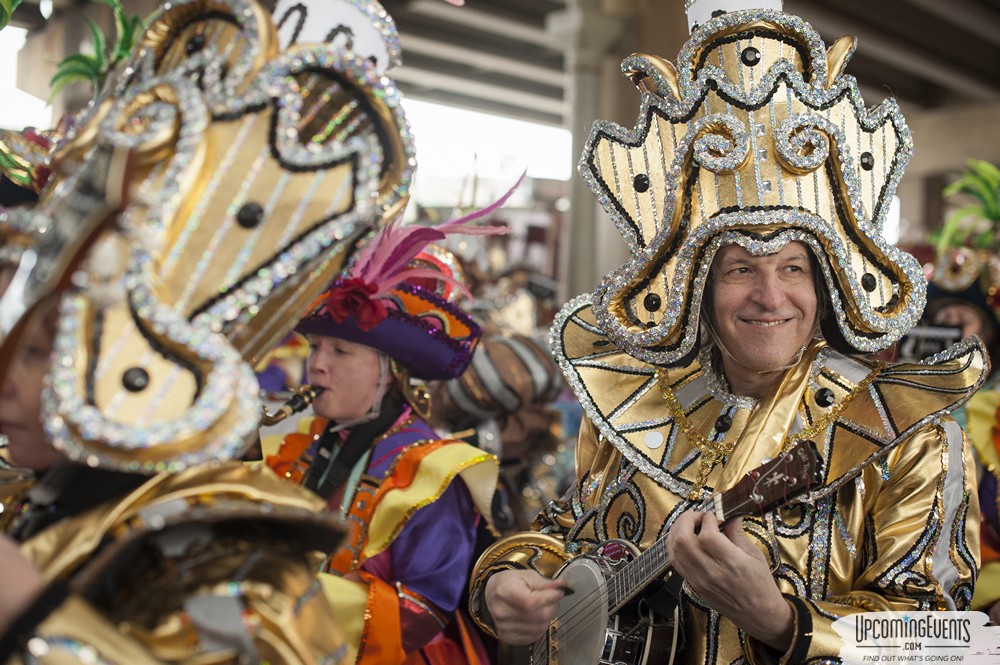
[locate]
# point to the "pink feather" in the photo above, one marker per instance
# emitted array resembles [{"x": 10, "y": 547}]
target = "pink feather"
[
  {"x": 427, "y": 273},
  {"x": 381, "y": 263}
]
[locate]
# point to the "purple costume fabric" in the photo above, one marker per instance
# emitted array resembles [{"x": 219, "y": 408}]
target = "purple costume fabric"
[
  {"x": 433, "y": 553},
  {"x": 988, "y": 501}
]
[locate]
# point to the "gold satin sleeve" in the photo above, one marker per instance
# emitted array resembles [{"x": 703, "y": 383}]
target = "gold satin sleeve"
[
  {"x": 281, "y": 617},
  {"x": 521, "y": 551},
  {"x": 77, "y": 634},
  {"x": 923, "y": 512},
  {"x": 286, "y": 616}
]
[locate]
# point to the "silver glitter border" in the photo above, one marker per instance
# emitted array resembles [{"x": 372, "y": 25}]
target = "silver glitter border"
[
  {"x": 74, "y": 425},
  {"x": 813, "y": 95}
]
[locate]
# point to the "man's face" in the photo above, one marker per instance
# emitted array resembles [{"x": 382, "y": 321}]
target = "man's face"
[{"x": 763, "y": 308}]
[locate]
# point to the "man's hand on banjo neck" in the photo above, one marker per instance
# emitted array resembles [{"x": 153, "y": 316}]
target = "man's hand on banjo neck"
[{"x": 730, "y": 574}]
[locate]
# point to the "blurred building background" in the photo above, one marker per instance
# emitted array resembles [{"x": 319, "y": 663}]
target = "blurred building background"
[{"x": 522, "y": 81}]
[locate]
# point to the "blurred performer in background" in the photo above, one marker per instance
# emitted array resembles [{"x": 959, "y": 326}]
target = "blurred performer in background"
[
  {"x": 284, "y": 369},
  {"x": 962, "y": 294},
  {"x": 197, "y": 210},
  {"x": 503, "y": 403},
  {"x": 751, "y": 192},
  {"x": 23, "y": 174},
  {"x": 27, "y": 452},
  {"x": 417, "y": 506},
  {"x": 518, "y": 300},
  {"x": 510, "y": 400},
  {"x": 959, "y": 296}
]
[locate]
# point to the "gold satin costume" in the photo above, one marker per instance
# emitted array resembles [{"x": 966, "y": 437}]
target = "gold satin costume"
[
  {"x": 899, "y": 532},
  {"x": 194, "y": 212},
  {"x": 757, "y": 137},
  {"x": 213, "y": 552}
]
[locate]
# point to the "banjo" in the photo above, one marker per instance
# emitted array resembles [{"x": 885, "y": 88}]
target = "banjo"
[{"x": 604, "y": 618}]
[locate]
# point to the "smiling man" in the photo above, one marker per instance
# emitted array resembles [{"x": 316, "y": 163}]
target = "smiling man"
[
  {"x": 762, "y": 313},
  {"x": 752, "y": 192}
]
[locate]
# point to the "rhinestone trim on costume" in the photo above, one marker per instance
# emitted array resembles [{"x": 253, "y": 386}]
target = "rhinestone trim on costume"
[{"x": 184, "y": 100}]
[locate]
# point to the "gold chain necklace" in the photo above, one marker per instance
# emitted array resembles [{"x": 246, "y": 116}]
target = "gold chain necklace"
[{"x": 714, "y": 452}]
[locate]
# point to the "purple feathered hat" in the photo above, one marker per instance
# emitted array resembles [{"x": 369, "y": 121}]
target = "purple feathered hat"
[{"x": 395, "y": 298}]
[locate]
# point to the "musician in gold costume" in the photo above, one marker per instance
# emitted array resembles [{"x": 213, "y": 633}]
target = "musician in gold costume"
[
  {"x": 752, "y": 192},
  {"x": 199, "y": 206}
]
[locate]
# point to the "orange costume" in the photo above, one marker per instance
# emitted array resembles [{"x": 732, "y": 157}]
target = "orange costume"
[
  {"x": 399, "y": 511},
  {"x": 413, "y": 531}
]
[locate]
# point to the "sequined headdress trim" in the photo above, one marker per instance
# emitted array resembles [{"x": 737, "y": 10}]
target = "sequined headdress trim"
[
  {"x": 254, "y": 172},
  {"x": 755, "y": 132}
]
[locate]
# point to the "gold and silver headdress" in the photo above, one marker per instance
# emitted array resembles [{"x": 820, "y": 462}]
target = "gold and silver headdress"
[
  {"x": 249, "y": 173},
  {"x": 755, "y": 137}
]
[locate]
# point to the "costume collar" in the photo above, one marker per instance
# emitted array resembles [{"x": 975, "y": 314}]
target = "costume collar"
[
  {"x": 718, "y": 386},
  {"x": 856, "y": 410}
]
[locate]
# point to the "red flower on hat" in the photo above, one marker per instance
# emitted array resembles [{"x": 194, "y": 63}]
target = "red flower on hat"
[{"x": 353, "y": 297}]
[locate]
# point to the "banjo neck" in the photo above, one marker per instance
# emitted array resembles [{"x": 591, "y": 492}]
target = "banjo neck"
[{"x": 769, "y": 486}]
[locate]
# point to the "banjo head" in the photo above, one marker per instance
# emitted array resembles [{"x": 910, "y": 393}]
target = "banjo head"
[{"x": 577, "y": 635}]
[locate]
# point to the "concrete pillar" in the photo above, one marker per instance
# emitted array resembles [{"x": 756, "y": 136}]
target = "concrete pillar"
[{"x": 586, "y": 35}]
